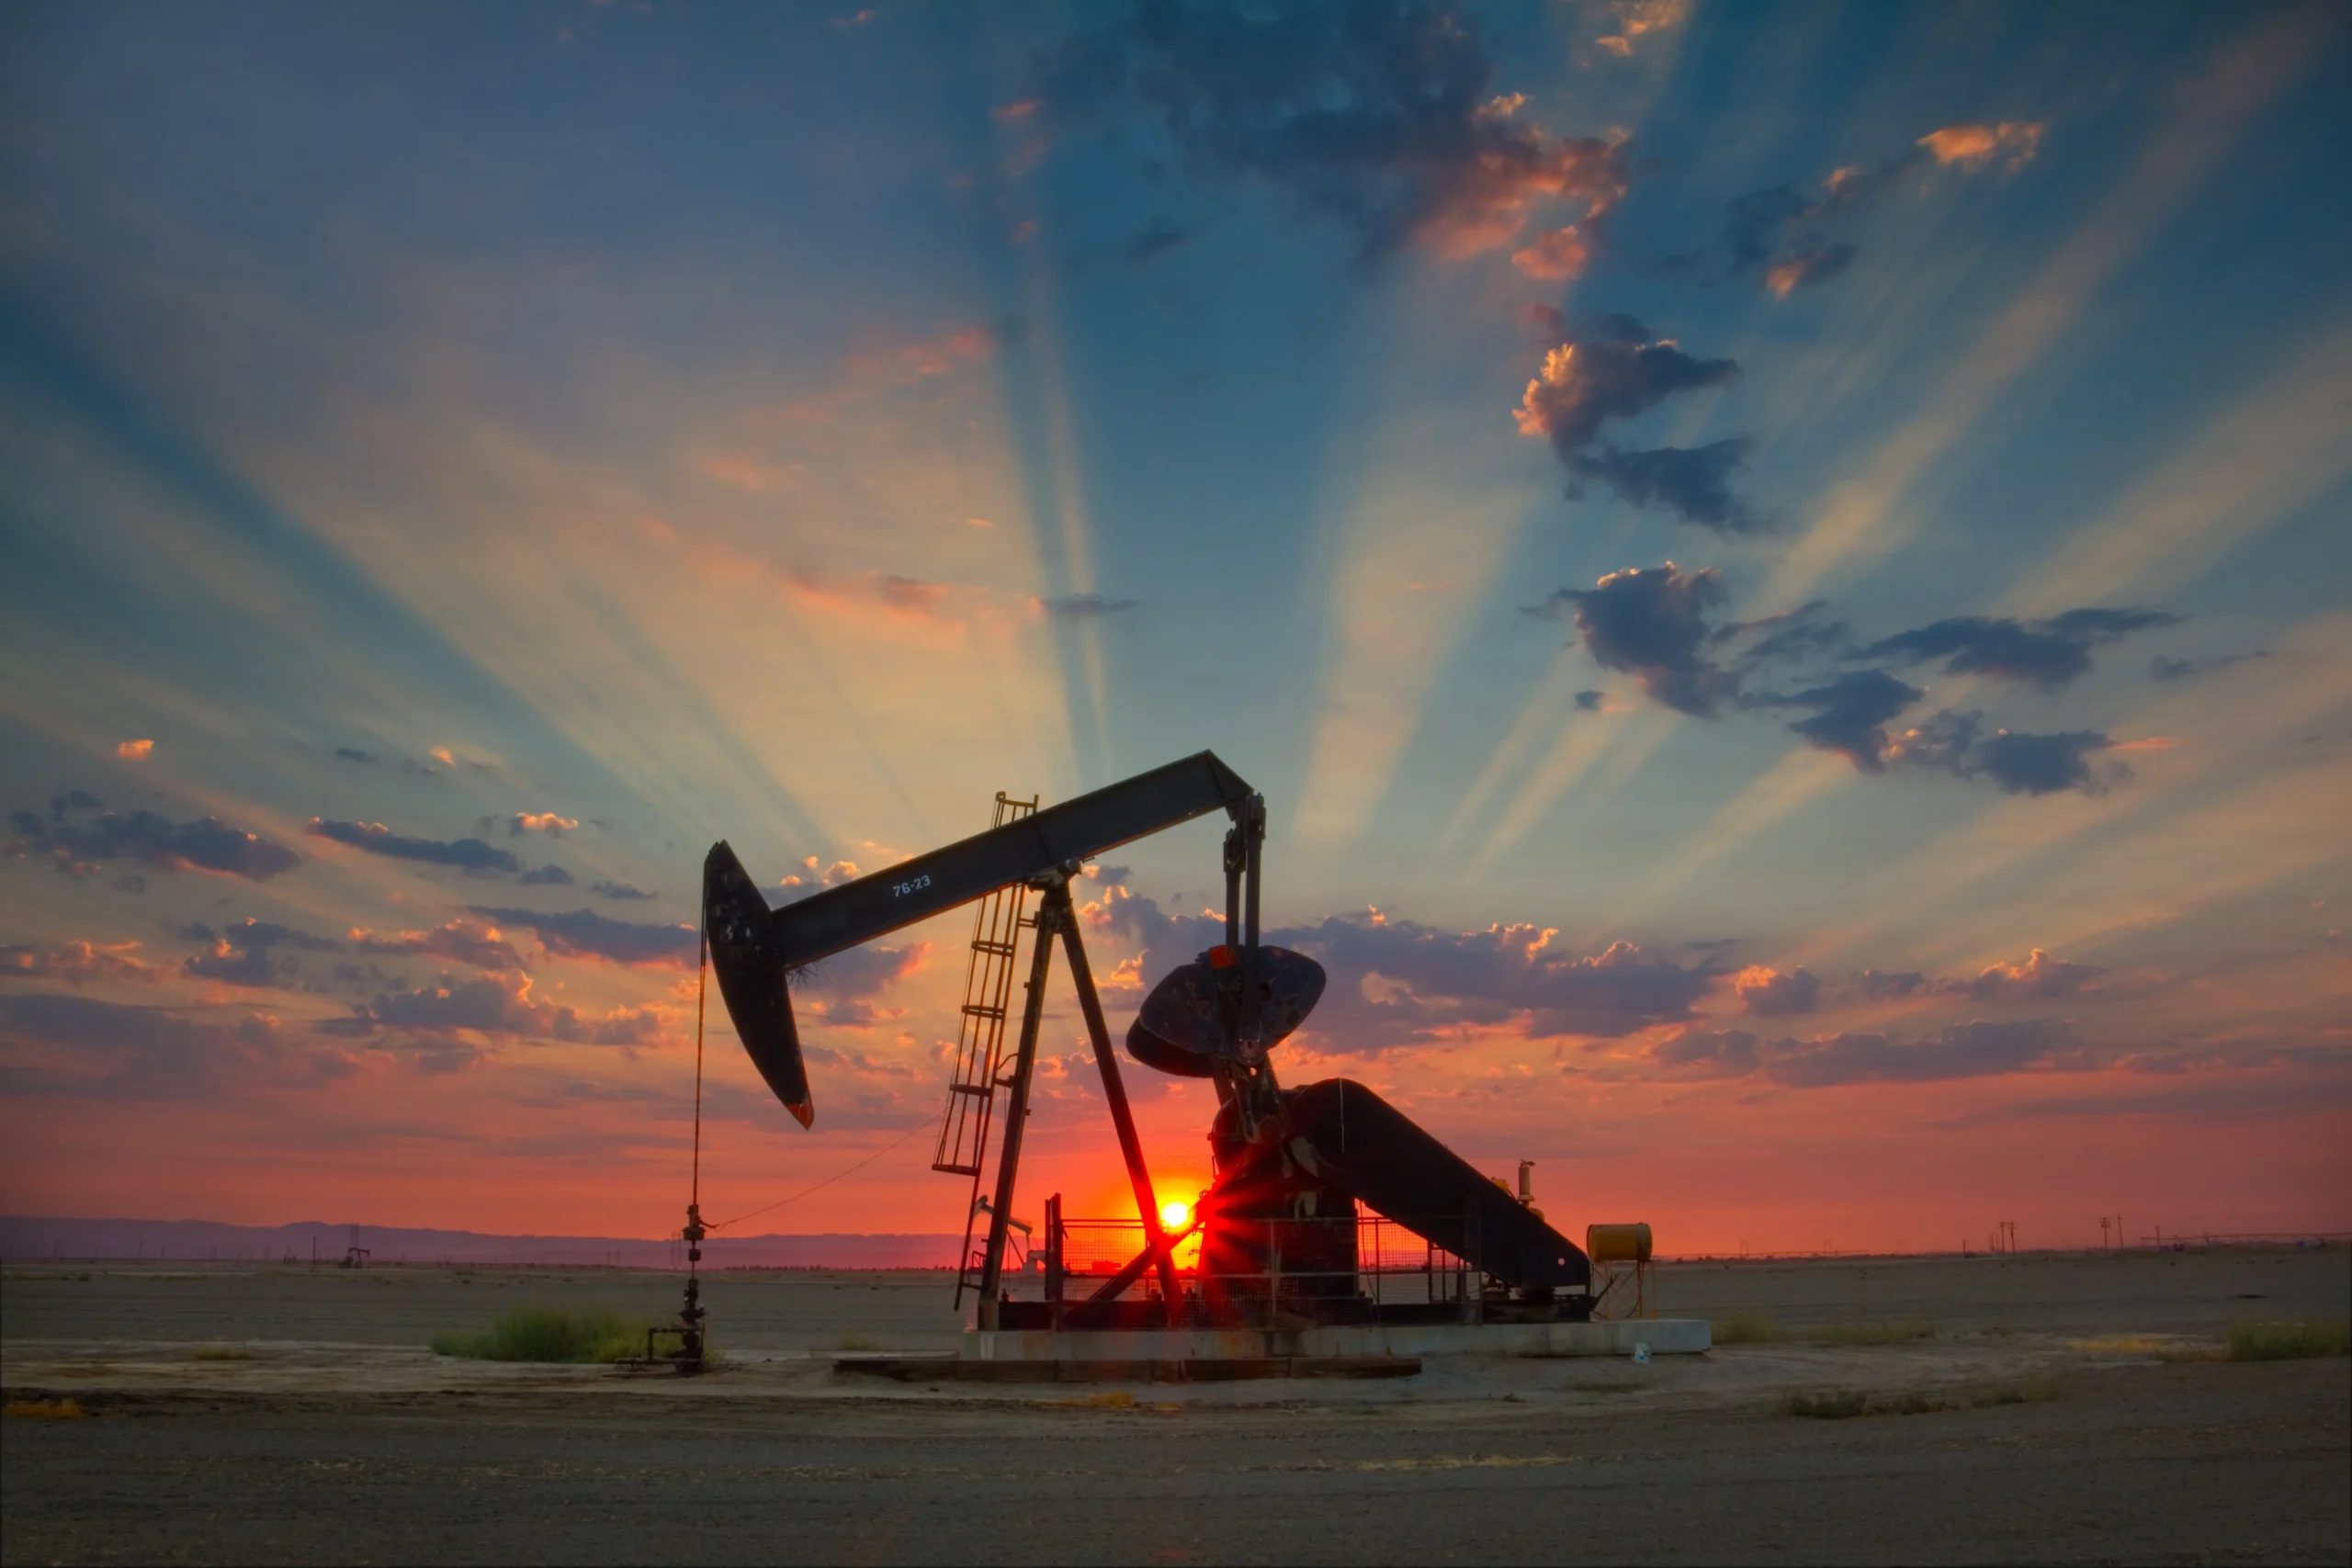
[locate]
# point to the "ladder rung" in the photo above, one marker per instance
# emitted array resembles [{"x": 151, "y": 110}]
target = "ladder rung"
[
  {"x": 955, "y": 1169},
  {"x": 1002, "y": 949},
  {"x": 980, "y": 1089},
  {"x": 979, "y": 1010}
]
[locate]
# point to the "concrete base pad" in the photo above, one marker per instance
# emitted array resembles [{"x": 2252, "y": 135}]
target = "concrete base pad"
[
  {"x": 943, "y": 1369},
  {"x": 1664, "y": 1337}
]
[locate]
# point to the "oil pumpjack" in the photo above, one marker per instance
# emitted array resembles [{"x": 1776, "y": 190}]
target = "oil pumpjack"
[{"x": 1291, "y": 1165}]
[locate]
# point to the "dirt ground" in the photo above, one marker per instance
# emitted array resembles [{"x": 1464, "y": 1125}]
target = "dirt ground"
[{"x": 2059, "y": 1413}]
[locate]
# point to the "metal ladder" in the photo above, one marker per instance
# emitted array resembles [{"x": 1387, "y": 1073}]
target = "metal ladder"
[{"x": 979, "y": 1044}]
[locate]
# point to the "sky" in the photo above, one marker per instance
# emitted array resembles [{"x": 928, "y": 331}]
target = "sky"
[{"x": 1783, "y": 569}]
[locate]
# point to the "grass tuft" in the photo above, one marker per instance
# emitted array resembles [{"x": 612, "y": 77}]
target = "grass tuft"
[
  {"x": 44, "y": 1410},
  {"x": 1841, "y": 1405},
  {"x": 223, "y": 1353},
  {"x": 1890, "y": 1331},
  {"x": 857, "y": 1342},
  {"x": 2304, "y": 1340},
  {"x": 550, "y": 1334},
  {"x": 1743, "y": 1328}
]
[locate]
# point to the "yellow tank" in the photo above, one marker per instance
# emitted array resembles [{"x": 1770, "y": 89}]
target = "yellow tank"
[{"x": 1618, "y": 1244}]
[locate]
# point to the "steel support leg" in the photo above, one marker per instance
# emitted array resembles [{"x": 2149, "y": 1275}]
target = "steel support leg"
[
  {"x": 1016, "y": 1115},
  {"x": 1114, "y": 1091}
]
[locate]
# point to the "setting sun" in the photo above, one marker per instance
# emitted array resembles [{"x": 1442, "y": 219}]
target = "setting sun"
[{"x": 1175, "y": 1216}]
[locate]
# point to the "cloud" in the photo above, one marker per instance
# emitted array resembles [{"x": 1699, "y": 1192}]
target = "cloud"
[
  {"x": 462, "y": 941},
  {"x": 1638, "y": 18},
  {"x": 1380, "y": 118},
  {"x": 206, "y": 844},
  {"x": 1850, "y": 714},
  {"x": 79, "y": 1045},
  {"x": 1080, "y": 606},
  {"x": 1158, "y": 238},
  {"x": 134, "y": 751},
  {"x": 2165, "y": 669},
  {"x": 1973, "y": 146},
  {"x": 1618, "y": 375},
  {"x": 79, "y": 963},
  {"x": 1818, "y": 264},
  {"x": 1880, "y": 986},
  {"x": 863, "y": 971},
  {"x": 244, "y": 953},
  {"x": 2051, "y": 653},
  {"x": 1768, "y": 993},
  {"x": 547, "y": 822},
  {"x": 1961, "y": 1051},
  {"x": 1590, "y": 700},
  {"x": 546, "y": 876},
  {"x": 1693, "y": 482},
  {"x": 2020, "y": 764},
  {"x": 492, "y": 1004},
  {"x": 620, "y": 891},
  {"x": 1785, "y": 234},
  {"x": 1555, "y": 258},
  {"x": 353, "y": 754},
  {"x": 1707, "y": 1053},
  {"x": 471, "y": 855},
  {"x": 2039, "y": 977},
  {"x": 583, "y": 934},
  {"x": 1649, "y": 622}
]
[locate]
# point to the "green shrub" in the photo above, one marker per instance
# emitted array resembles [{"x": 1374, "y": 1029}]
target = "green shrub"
[
  {"x": 1893, "y": 1331},
  {"x": 550, "y": 1334},
  {"x": 2291, "y": 1341},
  {"x": 1743, "y": 1328}
]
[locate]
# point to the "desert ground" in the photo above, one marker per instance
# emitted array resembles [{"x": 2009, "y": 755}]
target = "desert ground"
[{"x": 2034, "y": 1408}]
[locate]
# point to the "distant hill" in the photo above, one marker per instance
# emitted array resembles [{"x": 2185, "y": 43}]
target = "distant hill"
[{"x": 26, "y": 1237}]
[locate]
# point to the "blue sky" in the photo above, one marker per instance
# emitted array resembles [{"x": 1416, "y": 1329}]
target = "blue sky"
[{"x": 1816, "y": 495}]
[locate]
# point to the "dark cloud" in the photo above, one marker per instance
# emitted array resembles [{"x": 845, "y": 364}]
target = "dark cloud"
[
  {"x": 1783, "y": 236},
  {"x": 1769, "y": 993},
  {"x": 1616, "y": 372},
  {"x": 2050, "y": 653},
  {"x": 1650, "y": 623},
  {"x": 546, "y": 876},
  {"x": 472, "y": 856},
  {"x": 1590, "y": 700},
  {"x": 353, "y": 754},
  {"x": 1078, "y": 606},
  {"x": 2021, "y": 764},
  {"x": 1693, "y": 482},
  {"x": 1850, "y": 714},
  {"x": 1961, "y": 1051},
  {"x": 2165, "y": 668},
  {"x": 493, "y": 1004},
  {"x": 621, "y": 890},
  {"x": 1396, "y": 982},
  {"x": 77, "y": 1045},
  {"x": 205, "y": 844},
  {"x": 583, "y": 934},
  {"x": 244, "y": 953},
  {"x": 863, "y": 971},
  {"x": 1707, "y": 1053},
  {"x": 1157, "y": 239},
  {"x": 1377, "y": 117},
  {"x": 1878, "y": 985}
]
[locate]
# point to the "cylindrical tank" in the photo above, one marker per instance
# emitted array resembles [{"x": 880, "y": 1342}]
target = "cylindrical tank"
[{"x": 1618, "y": 1244}]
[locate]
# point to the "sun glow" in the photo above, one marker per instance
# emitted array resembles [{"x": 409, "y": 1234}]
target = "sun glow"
[{"x": 1174, "y": 1215}]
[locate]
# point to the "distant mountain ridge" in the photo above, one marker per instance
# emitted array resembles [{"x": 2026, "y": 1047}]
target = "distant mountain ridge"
[{"x": 25, "y": 1238}]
